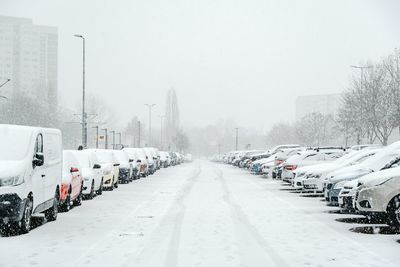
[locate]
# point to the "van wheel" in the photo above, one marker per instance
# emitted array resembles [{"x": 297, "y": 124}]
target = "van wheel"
[
  {"x": 92, "y": 193},
  {"x": 78, "y": 200},
  {"x": 394, "y": 212},
  {"x": 51, "y": 214},
  {"x": 25, "y": 224},
  {"x": 116, "y": 185},
  {"x": 100, "y": 190}
]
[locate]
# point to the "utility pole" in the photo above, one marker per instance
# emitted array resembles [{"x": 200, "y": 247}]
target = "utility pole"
[
  {"x": 361, "y": 68},
  {"x": 120, "y": 140},
  {"x": 138, "y": 134},
  {"x": 105, "y": 138},
  {"x": 150, "y": 106},
  {"x": 84, "y": 118},
  {"x": 97, "y": 135},
  {"x": 161, "y": 130},
  {"x": 113, "y": 135},
  {"x": 237, "y": 138}
]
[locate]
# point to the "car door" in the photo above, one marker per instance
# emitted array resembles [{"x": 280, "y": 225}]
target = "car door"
[{"x": 38, "y": 177}]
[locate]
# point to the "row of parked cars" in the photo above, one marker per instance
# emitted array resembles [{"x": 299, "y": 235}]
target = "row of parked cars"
[
  {"x": 38, "y": 177},
  {"x": 362, "y": 179}
]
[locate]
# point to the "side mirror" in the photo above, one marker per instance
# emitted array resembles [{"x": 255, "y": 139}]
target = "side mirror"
[
  {"x": 74, "y": 169},
  {"x": 38, "y": 159},
  {"x": 116, "y": 164},
  {"x": 139, "y": 161},
  {"x": 131, "y": 160},
  {"x": 96, "y": 166}
]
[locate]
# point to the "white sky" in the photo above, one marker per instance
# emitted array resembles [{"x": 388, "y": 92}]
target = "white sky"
[{"x": 246, "y": 60}]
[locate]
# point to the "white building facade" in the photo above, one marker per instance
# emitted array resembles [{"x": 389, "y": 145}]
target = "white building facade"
[
  {"x": 325, "y": 104},
  {"x": 28, "y": 56}
]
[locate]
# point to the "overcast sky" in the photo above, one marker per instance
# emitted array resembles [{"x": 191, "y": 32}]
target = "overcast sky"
[{"x": 246, "y": 60}]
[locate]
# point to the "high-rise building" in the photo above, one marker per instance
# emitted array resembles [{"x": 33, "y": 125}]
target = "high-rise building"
[
  {"x": 325, "y": 104},
  {"x": 171, "y": 117},
  {"x": 28, "y": 56}
]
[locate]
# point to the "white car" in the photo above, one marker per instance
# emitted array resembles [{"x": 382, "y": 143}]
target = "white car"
[
  {"x": 139, "y": 155},
  {"x": 379, "y": 193},
  {"x": 110, "y": 167},
  {"x": 30, "y": 174},
  {"x": 315, "y": 176},
  {"x": 92, "y": 173},
  {"x": 165, "y": 159},
  {"x": 126, "y": 166},
  {"x": 307, "y": 158}
]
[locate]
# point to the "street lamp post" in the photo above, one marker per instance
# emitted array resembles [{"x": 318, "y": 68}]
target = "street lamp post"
[
  {"x": 97, "y": 135},
  {"x": 161, "y": 131},
  {"x": 150, "y": 106},
  {"x": 361, "y": 68},
  {"x": 237, "y": 138},
  {"x": 105, "y": 138},
  {"x": 84, "y": 119}
]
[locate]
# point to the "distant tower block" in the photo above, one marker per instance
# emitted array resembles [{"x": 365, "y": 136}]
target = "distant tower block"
[{"x": 171, "y": 117}]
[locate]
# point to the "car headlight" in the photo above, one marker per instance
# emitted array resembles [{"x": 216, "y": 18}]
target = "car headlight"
[
  {"x": 339, "y": 185},
  {"x": 12, "y": 180}
]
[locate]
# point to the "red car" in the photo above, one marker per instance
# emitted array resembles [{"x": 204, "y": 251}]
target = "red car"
[{"x": 72, "y": 182}]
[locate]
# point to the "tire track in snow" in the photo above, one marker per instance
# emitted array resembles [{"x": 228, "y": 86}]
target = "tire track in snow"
[
  {"x": 248, "y": 231},
  {"x": 174, "y": 216}
]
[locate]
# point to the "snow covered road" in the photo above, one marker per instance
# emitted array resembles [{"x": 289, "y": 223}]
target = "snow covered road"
[{"x": 200, "y": 214}]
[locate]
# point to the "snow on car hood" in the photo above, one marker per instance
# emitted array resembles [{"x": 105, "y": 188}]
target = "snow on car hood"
[
  {"x": 318, "y": 168},
  {"x": 347, "y": 170},
  {"x": 263, "y": 161},
  {"x": 349, "y": 174},
  {"x": 11, "y": 168},
  {"x": 379, "y": 177},
  {"x": 86, "y": 172}
]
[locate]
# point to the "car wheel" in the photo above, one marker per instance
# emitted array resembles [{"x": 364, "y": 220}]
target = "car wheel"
[
  {"x": 100, "y": 190},
  {"x": 78, "y": 200},
  {"x": 92, "y": 193},
  {"x": 25, "y": 224},
  {"x": 394, "y": 212},
  {"x": 116, "y": 185},
  {"x": 51, "y": 214}
]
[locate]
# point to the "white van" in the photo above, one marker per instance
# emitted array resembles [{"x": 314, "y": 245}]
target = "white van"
[{"x": 30, "y": 174}]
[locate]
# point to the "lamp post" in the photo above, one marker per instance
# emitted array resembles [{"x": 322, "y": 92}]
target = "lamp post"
[
  {"x": 97, "y": 135},
  {"x": 105, "y": 138},
  {"x": 150, "y": 107},
  {"x": 113, "y": 135},
  {"x": 161, "y": 130},
  {"x": 237, "y": 138},
  {"x": 84, "y": 119}
]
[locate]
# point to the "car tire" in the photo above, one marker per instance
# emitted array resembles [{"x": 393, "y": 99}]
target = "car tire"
[
  {"x": 100, "y": 190},
  {"x": 66, "y": 206},
  {"x": 394, "y": 212},
  {"x": 52, "y": 213},
  {"x": 25, "y": 224},
  {"x": 92, "y": 193},
  {"x": 116, "y": 184},
  {"x": 78, "y": 200}
]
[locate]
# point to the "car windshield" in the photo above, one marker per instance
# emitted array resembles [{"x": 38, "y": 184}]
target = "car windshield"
[
  {"x": 14, "y": 143},
  {"x": 83, "y": 159},
  {"x": 379, "y": 160}
]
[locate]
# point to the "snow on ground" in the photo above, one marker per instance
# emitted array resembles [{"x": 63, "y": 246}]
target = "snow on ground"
[{"x": 201, "y": 214}]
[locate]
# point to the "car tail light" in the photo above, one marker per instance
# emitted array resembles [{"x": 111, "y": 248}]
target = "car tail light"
[{"x": 291, "y": 167}]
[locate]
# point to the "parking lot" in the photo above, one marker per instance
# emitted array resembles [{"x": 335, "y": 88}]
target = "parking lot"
[{"x": 204, "y": 214}]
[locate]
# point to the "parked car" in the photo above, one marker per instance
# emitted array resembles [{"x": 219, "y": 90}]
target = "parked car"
[
  {"x": 30, "y": 175},
  {"x": 110, "y": 166},
  {"x": 91, "y": 171},
  {"x": 140, "y": 157},
  {"x": 72, "y": 182},
  {"x": 314, "y": 177},
  {"x": 165, "y": 159},
  {"x": 380, "y": 161},
  {"x": 126, "y": 167},
  {"x": 307, "y": 158},
  {"x": 379, "y": 194}
]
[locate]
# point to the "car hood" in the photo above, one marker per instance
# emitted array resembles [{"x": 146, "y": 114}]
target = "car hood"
[
  {"x": 379, "y": 177},
  {"x": 346, "y": 170},
  {"x": 317, "y": 168},
  {"x": 11, "y": 168},
  {"x": 263, "y": 161},
  {"x": 86, "y": 172},
  {"x": 350, "y": 175}
]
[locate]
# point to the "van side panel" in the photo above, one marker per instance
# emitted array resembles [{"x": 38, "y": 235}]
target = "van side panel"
[{"x": 52, "y": 149}]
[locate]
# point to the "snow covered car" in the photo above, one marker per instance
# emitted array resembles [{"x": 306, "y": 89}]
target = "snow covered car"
[
  {"x": 165, "y": 159},
  {"x": 140, "y": 157},
  {"x": 307, "y": 158},
  {"x": 150, "y": 159},
  {"x": 30, "y": 175},
  {"x": 126, "y": 168},
  {"x": 91, "y": 171},
  {"x": 379, "y": 194},
  {"x": 281, "y": 156},
  {"x": 314, "y": 177},
  {"x": 110, "y": 167},
  {"x": 72, "y": 182},
  {"x": 347, "y": 194},
  {"x": 384, "y": 159}
]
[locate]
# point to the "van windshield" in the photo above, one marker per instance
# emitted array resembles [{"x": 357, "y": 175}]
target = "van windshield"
[{"x": 14, "y": 143}]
